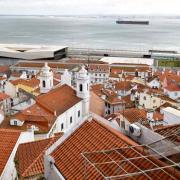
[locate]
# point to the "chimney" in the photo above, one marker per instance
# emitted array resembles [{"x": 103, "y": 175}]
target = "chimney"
[
  {"x": 178, "y": 73},
  {"x": 149, "y": 115}
]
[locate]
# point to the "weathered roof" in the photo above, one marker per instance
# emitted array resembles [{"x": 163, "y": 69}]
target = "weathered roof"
[
  {"x": 8, "y": 140},
  {"x": 30, "y": 156},
  {"x": 58, "y": 100},
  {"x": 68, "y": 157},
  {"x": 3, "y": 96},
  {"x": 100, "y": 137}
]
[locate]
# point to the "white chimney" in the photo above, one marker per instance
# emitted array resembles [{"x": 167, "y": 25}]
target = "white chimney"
[
  {"x": 149, "y": 115},
  {"x": 178, "y": 73},
  {"x": 23, "y": 75}
]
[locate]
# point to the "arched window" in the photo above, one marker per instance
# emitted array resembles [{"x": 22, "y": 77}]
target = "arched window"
[
  {"x": 44, "y": 83},
  {"x": 81, "y": 87}
]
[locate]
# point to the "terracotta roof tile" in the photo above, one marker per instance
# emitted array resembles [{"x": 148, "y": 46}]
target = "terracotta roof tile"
[
  {"x": 69, "y": 161},
  {"x": 116, "y": 69},
  {"x": 123, "y": 85},
  {"x": 4, "y": 69},
  {"x": 30, "y": 157},
  {"x": 68, "y": 157},
  {"x": 3, "y": 96},
  {"x": 114, "y": 100},
  {"x": 31, "y": 83},
  {"x": 170, "y": 130},
  {"x": 58, "y": 100},
  {"x": 134, "y": 115},
  {"x": 99, "y": 68},
  {"x": 173, "y": 87},
  {"x": 36, "y": 115},
  {"x": 8, "y": 139}
]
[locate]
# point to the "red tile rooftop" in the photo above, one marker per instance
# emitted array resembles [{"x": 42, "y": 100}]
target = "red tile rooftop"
[
  {"x": 169, "y": 130},
  {"x": 4, "y": 69},
  {"x": 123, "y": 85},
  {"x": 58, "y": 100},
  {"x": 100, "y": 137},
  {"x": 3, "y": 96},
  {"x": 31, "y": 83},
  {"x": 116, "y": 69},
  {"x": 99, "y": 68},
  {"x": 173, "y": 87},
  {"x": 30, "y": 157},
  {"x": 8, "y": 140},
  {"x": 134, "y": 115},
  {"x": 169, "y": 76},
  {"x": 68, "y": 157}
]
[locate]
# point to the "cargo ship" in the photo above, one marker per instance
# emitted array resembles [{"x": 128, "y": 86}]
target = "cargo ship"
[{"x": 132, "y": 22}]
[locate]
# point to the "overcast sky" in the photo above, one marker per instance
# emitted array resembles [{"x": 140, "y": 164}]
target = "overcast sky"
[{"x": 165, "y": 7}]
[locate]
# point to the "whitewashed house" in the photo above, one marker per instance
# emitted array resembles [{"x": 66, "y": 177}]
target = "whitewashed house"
[
  {"x": 148, "y": 100},
  {"x": 171, "y": 116},
  {"x": 172, "y": 90},
  {"x": 9, "y": 142},
  {"x": 154, "y": 83},
  {"x": 99, "y": 73}
]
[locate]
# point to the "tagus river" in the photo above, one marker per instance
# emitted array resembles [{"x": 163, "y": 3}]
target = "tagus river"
[{"x": 90, "y": 32}]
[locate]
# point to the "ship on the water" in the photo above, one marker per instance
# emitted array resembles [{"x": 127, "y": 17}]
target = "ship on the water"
[{"x": 132, "y": 22}]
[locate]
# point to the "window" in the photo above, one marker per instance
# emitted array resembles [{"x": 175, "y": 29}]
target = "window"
[
  {"x": 87, "y": 87},
  {"x": 95, "y": 74},
  {"x": 144, "y": 97},
  {"x": 81, "y": 87},
  {"x": 154, "y": 101},
  {"x": 109, "y": 112},
  {"x": 123, "y": 124},
  {"x": 79, "y": 113},
  {"x": 99, "y": 74},
  {"x": 71, "y": 120},
  {"x": 44, "y": 83},
  {"x": 15, "y": 123},
  {"x": 104, "y": 75},
  {"x": 62, "y": 126}
]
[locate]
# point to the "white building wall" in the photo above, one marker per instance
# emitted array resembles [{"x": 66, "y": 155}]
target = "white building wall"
[
  {"x": 154, "y": 83},
  {"x": 9, "y": 172},
  {"x": 171, "y": 118},
  {"x": 10, "y": 89},
  {"x": 51, "y": 172},
  {"x": 123, "y": 92},
  {"x": 65, "y": 119},
  {"x": 149, "y": 102},
  {"x": 172, "y": 94},
  {"x": 98, "y": 77}
]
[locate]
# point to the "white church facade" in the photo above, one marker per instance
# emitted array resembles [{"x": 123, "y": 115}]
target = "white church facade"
[{"x": 60, "y": 108}]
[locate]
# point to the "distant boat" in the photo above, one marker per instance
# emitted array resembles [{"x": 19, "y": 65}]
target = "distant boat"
[{"x": 132, "y": 22}]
